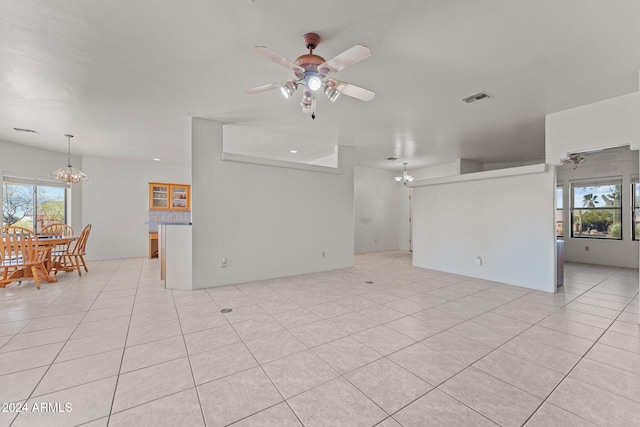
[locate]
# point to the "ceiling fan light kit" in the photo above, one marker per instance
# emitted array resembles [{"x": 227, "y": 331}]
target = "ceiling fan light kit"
[
  {"x": 332, "y": 93},
  {"x": 288, "y": 88},
  {"x": 311, "y": 72},
  {"x": 307, "y": 101},
  {"x": 574, "y": 159},
  {"x": 312, "y": 81}
]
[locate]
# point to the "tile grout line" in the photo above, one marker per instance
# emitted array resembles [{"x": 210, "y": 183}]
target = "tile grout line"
[
  {"x": 175, "y": 306},
  {"x": 417, "y": 341},
  {"x": 437, "y": 387},
  {"x": 584, "y": 291},
  {"x": 124, "y": 349},
  {"x": 266, "y": 375},
  {"x": 471, "y": 365},
  {"x": 535, "y": 324},
  {"x": 383, "y": 356},
  {"x": 184, "y": 341},
  {"x": 62, "y": 347},
  {"x": 65, "y": 341},
  {"x": 35, "y": 318},
  {"x": 573, "y": 367}
]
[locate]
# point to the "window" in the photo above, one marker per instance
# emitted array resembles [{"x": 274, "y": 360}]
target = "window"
[
  {"x": 32, "y": 203},
  {"x": 596, "y": 209},
  {"x": 559, "y": 233},
  {"x": 635, "y": 195}
]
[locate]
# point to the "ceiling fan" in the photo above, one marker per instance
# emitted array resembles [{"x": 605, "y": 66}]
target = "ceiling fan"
[{"x": 311, "y": 72}]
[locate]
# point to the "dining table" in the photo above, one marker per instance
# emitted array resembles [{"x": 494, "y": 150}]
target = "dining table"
[
  {"x": 46, "y": 245},
  {"x": 50, "y": 243}
]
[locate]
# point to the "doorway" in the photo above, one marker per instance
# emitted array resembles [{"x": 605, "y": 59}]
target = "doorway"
[{"x": 598, "y": 207}]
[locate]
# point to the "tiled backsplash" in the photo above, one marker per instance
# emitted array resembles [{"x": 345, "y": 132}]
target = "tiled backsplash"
[{"x": 167, "y": 216}]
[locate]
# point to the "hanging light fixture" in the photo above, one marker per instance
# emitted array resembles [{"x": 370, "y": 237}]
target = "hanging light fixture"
[
  {"x": 574, "y": 159},
  {"x": 405, "y": 178},
  {"x": 69, "y": 173}
]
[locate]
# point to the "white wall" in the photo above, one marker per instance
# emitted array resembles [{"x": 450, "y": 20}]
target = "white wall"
[
  {"x": 610, "y": 123},
  {"x": 508, "y": 221},
  {"x": 457, "y": 167},
  {"x": 114, "y": 199},
  {"x": 116, "y": 203},
  {"x": 435, "y": 171},
  {"x": 620, "y": 253},
  {"x": 378, "y": 209},
  {"x": 314, "y": 148},
  {"x": 404, "y": 228},
  {"x": 266, "y": 221},
  {"x": 22, "y": 160}
]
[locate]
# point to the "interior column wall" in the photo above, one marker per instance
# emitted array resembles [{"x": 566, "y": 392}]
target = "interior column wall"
[
  {"x": 506, "y": 221},
  {"x": 265, "y": 221}
]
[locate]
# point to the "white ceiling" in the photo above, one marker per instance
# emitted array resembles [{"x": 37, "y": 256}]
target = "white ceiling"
[{"x": 126, "y": 76}]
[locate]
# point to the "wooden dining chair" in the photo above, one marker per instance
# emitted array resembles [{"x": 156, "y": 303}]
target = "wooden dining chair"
[
  {"x": 57, "y": 229},
  {"x": 77, "y": 251},
  {"x": 19, "y": 251},
  {"x": 58, "y": 255}
]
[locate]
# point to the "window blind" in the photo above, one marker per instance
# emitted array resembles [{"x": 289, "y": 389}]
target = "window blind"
[{"x": 22, "y": 179}]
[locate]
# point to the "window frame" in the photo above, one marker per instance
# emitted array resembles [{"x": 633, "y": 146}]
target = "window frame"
[
  {"x": 560, "y": 187},
  {"x": 635, "y": 206},
  {"x": 596, "y": 182},
  {"x": 35, "y": 182}
]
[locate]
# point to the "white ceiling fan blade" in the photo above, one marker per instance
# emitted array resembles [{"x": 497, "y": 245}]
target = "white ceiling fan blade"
[
  {"x": 277, "y": 58},
  {"x": 345, "y": 59},
  {"x": 354, "y": 91},
  {"x": 263, "y": 88}
]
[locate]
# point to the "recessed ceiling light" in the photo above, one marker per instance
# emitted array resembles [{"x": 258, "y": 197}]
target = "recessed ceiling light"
[
  {"x": 155, "y": 159},
  {"x": 24, "y": 130},
  {"x": 293, "y": 151}
]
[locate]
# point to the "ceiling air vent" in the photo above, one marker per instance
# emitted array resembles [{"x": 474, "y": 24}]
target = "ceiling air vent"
[
  {"x": 480, "y": 96},
  {"x": 392, "y": 158},
  {"x": 24, "y": 130}
]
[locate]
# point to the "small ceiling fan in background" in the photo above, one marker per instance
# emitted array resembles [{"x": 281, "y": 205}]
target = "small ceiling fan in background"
[{"x": 311, "y": 72}]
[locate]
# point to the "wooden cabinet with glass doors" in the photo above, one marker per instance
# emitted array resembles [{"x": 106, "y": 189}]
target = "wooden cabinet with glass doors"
[
  {"x": 169, "y": 196},
  {"x": 180, "y": 197},
  {"x": 158, "y": 196}
]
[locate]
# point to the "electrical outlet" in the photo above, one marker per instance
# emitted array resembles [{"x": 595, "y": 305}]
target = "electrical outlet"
[
  {"x": 224, "y": 262},
  {"x": 322, "y": 254},
  {"x": 586, "y": 248},
  {"x": 479, "y": 261}
]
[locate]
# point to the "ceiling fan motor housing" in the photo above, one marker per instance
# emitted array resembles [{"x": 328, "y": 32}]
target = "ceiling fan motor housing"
[{"x": 310, "y": 61}]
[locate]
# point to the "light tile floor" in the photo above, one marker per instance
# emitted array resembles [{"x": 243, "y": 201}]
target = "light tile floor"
[{"x": 382, "y": 343}]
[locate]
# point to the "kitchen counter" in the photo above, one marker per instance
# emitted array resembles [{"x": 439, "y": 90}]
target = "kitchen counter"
[
  {"x": 167, "y": 223},
  {"x": 175, "y": 255},
  {"x": 154, "y": 249}
]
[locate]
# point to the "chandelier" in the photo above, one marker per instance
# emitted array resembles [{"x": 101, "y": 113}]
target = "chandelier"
[
  {"x": 69, "y": 173},
  {"x": 574, "y": 159},
  {"x": 405, "y": 178}
]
